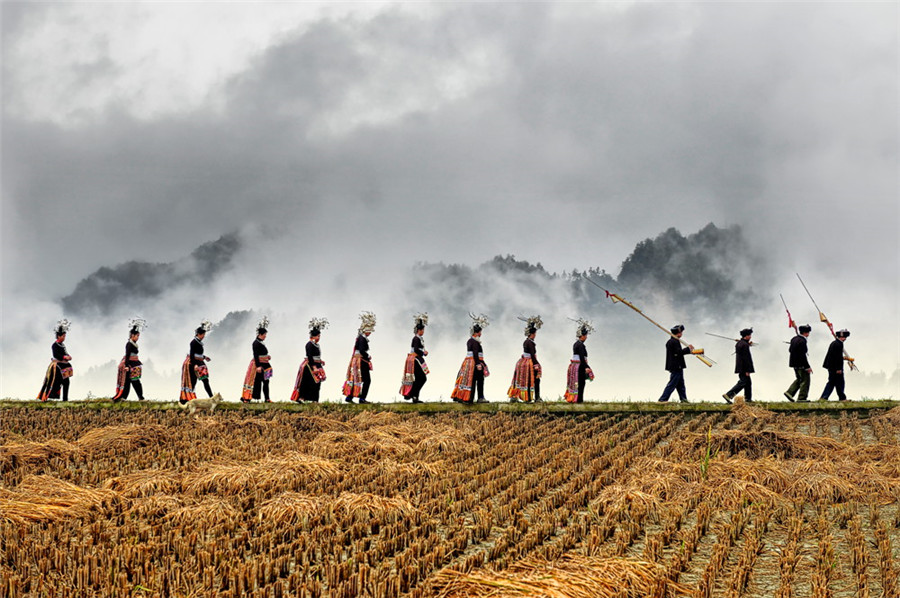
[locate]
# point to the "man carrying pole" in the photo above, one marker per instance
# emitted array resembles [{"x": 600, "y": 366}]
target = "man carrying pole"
[
  {"x": 675, "y": 365},
  {"x": 743, "y": 367},
  {"x": 674, "y": 351},
  {"x": 834, "y": 363},
  {"x": 799, "y": 361}
]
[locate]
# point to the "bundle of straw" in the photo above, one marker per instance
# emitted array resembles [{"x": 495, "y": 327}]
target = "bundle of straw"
[
  {"x": 208, "y": 512},
  {"x": 43, "y": 498},
  {"x": 122, "y": 438},
  {"x": 290, "y": 508},
  {"x": 366, "y": 505},
  {"x": 744, "y": 412},
  {"x": 146, "y": 482},
  {"x": 30, "y": 453},
  {"x": 572, "y": 576},
  {"x": 759, "y": 444}
]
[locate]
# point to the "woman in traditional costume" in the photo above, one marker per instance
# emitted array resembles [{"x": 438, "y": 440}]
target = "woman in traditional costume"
[
  {"x": 129, "y": 373},
  {"x": 312, "y": 369},
  {"x": 526, "y": 380},
  {"x": 259, "y": 371},
  {"x": 60, "y": 370},
  {"x": 579, "y": 370},
  {"x": 194, "y": 367},
  {"x": 473, "y": 370},
  {"x": 359, "y": 377},
  {"x": 415, "y": 372}
]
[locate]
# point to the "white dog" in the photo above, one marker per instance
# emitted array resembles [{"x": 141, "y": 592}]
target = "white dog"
[{"x": 208, "y": 404}]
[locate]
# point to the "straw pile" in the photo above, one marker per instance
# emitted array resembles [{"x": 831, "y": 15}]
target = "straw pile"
[
  {"x": 123, "y": 438},
  {"x": 744, "y": 412},
  {"x": 146, "y": 482},
  {"x": 274, "y": 472},
  {"x": 569, "y": 577},
  {"x": 891, "y": 416},
  {"x": 290, "y": 508},
  {"x": 754, "y": 445},
  {"x": 366, "y": 505},
  {"x": 207, "y": 512},
  {"x": 46, "y": 498},
  {"x": 30, "y": 453},
  {"x": 369, "y": 443}
]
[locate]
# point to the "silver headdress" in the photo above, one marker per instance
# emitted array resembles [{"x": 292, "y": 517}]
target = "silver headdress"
[
  {"x": 532, "y": 324},
  {"x": 263, "y": 325},
  {"x": 366, "y": 322},
  {"x": 584, "y": 327},
  {"x": 421, "y": 321},
  {"x": 205, "y": 326},
  {"x": 479, "y": 323},
  {"x": 136, "y": 324},
  {"x": 62, "y": 327},
  {"x": 317, "y": 325}
]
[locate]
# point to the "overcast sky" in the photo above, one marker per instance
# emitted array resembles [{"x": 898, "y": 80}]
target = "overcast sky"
[{"x": 349, "y": 137}]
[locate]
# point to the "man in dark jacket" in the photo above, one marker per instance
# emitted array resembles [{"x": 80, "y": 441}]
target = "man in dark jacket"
[
  {"x": 675, "y": 366},
  {"x": 743, "y": 367},
  {"x": 800, "y": 363},
  {"x": 834, "y": 363}
]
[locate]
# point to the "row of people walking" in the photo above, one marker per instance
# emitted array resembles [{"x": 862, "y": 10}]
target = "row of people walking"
[{"x": 469, "y": 384}]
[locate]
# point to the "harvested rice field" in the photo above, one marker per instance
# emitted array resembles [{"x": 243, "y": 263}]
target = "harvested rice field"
[{"x": 346, "y": 502}]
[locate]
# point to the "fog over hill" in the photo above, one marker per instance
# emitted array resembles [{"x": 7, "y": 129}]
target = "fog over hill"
[{"x": 710, "y": 280}]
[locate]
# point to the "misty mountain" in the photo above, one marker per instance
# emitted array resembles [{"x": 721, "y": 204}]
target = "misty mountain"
[
  {"x": 137, "y": 282},
  {"x": 711, "y": 274},
  {"x": 706, "y": 271}
]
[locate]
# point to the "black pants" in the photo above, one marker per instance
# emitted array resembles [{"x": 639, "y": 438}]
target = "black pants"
[
  {"x": 676, "y": 383},
  {"x": 260, "y": 383},
  {"x": 206, "y": 385},
  {"x": 138, "y": 388},
  {"x": 366, "y": 376},
  {"x": 537, "y": 389},
  {"x": 478, "y": 383},
  {"x": 744, "y": 383},
  {"x": 835, "y": 382},
  {"x": 64, "y": 386},
  {"x": 582, "y": 380},
  {"x": 418, "y": 383}
]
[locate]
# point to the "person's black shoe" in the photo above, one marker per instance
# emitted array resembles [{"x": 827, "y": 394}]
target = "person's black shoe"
[
  {"x": 727, "y": 398},
  {"x": 416, "y": 400},
  {"x": 363, "y": 402},
  {"x": 803, "y": 400},
  {"x": 482, "y": 400},
  {"x": 348, "y": 399},
  {"x": 406, "y": 398},
  {"x": 662, "y": 400},
  {"x": 182, "y": 401},
  {"x": 844, "y": 399},
  {"x": 683, "y": 400}
]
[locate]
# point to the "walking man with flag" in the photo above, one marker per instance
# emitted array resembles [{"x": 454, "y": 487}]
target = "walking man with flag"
[{"x": 799, "y": 361}]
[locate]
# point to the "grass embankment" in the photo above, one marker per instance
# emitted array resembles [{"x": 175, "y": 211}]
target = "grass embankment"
[{"x": 560, "y": 408}]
